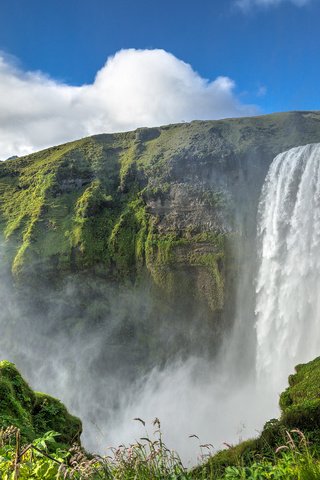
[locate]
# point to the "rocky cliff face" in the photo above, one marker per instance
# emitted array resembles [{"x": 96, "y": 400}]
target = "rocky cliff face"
[{"x": 158, "y": 209}]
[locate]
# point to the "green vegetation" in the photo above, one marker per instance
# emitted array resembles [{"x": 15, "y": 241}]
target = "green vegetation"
[
  {"x": 33, "y": 413},
  {"x": 300, "y": 403},
  {"x": 169, "y": 257},
  {"x": 144, "y": 460},
  {"x": 289, "y": 455},
  {"x": 36, "y": 461}
]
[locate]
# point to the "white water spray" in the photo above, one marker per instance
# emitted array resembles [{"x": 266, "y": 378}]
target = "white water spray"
[{"x": 288, "y": 282}]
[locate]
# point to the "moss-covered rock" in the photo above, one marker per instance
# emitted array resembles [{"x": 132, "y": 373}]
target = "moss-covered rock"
[{"x": 34, "y": 413}]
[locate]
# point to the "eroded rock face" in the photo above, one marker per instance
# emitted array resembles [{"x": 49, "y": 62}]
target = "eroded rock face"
[
  {"x": 34, "y": 413},
  {"x": 192, "y": 208}
]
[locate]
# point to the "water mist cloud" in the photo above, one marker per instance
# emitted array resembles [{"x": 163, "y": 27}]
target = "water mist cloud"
[
  {"x": 134, "y": 88},
  {"x": 193, "y": 397},
  {"x": 76, "y": 354}
]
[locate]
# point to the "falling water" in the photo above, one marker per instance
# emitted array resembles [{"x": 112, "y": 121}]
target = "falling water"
[{"x": 288, "y": 282}]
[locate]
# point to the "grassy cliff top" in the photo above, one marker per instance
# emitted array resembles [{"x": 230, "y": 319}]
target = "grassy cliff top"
[
  {"x": 304, "y": 385},
  {"x": 164, "y": 152}
]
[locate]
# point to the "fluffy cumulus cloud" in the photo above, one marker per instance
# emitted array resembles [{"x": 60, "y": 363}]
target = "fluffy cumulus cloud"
[
  {"x": 248, "y": 4},
  {"x": 134, "y": 88}
]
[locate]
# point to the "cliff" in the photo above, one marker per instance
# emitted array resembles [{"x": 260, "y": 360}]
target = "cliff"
[{"x": 168, "y": 210}]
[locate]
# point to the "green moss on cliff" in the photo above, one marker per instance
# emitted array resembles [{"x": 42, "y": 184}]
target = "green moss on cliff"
[
  {"x": 128, "y": 237},
  {"x": 156, "y": 199},
  {"x": 189, "y": 266},
  {"x": 16, "y": 400},
  {"x": 32, "y": 412}
]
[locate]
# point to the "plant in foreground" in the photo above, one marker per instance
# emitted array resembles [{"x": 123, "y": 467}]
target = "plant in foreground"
[
  {"x": 144, "y": 460},
  {"x": 292, "y": 461}
]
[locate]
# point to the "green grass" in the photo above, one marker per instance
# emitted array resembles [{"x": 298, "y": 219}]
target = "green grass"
[{"x": 145, "y": 460}]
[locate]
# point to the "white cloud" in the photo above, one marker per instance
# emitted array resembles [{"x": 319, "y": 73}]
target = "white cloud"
[
  {"x": 134, "y": 88},
  {"x": 248, "y": 4}
]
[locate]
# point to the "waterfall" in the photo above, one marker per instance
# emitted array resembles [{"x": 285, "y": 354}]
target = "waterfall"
[{"x": 288, "y": 279}]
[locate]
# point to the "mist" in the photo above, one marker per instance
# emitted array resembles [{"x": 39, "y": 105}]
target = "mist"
[{"x": 81, "y": 342}]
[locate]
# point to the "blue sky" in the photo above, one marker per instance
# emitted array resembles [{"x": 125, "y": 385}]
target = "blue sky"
[{"x": 269, "y": 49}]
